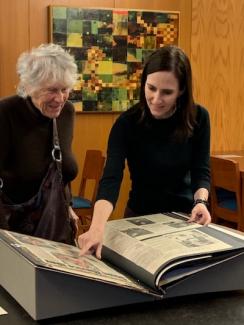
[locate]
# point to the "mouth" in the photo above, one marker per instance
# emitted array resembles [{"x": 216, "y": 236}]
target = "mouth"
[
  {"x": 55, "y": 108},
  {"x": 158, "y": 108}
]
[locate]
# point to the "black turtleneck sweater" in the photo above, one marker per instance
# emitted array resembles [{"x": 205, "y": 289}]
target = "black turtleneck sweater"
[
  {"x": 164, "y": 173},
  {"x": 26, "y": 145}
]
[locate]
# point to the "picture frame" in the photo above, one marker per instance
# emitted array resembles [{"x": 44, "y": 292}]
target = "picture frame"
[{"x": 110, "y": 46}]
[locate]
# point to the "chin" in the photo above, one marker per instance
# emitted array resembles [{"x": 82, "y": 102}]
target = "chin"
[
  {"x": 158, "y": 116},
  {"x": 53, "y": 114}
]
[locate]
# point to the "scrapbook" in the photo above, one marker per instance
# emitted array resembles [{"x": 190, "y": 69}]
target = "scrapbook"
[{"x": 144, "y": 258}]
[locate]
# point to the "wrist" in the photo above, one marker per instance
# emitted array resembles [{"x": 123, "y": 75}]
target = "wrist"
[
  {"x": 202, "y": 201},
  {"x": 97, "y": 225}
]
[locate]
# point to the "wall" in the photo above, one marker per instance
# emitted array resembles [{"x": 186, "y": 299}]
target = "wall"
[
  {"x": 24, "y": 24},
  {"x": 217, "y": 55}
]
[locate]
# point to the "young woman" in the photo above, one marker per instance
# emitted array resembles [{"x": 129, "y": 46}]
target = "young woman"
[{"x": 166, "y": 140}]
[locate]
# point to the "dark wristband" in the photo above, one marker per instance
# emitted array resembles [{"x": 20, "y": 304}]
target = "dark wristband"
[{"x": 205, "y": 202}]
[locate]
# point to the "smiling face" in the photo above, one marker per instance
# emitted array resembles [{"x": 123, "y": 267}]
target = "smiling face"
[
  {"x": 161, "y": 93},
  {"x": 51, "y": 99}
]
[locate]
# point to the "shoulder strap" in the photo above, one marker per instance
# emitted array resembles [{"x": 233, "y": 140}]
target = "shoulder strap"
[
  {"x": 56, "y": 152},
  {"x": 57, "y": 157}
]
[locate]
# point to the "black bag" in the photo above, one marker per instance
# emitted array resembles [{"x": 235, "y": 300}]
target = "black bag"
[{"x": 45, "y": 215}]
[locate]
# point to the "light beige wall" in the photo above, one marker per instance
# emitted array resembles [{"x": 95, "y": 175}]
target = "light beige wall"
[
  {"x": 217, "y": 55},
  {"x": 24, "y": 24}
]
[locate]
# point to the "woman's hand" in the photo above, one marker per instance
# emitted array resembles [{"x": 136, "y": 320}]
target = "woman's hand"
[
  {"x": 200, "y": 214},
  {"x": 75, "y": 219},
  {"x": 91, "y": 242}
]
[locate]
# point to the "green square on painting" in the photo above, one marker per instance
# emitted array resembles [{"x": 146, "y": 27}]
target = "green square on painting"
[
  {"x": 59, "y": 12},
  {"x": 75, "y": 26},
  {"x": 119, "y": 94}
]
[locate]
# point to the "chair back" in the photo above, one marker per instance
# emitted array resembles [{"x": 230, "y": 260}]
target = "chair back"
[
  {"x": 92, "y": 171},
  {"x": 226, "y": 191}
]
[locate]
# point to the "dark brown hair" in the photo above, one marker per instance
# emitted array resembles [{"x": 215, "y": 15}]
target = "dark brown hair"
[{"x": 171, "y": 58}]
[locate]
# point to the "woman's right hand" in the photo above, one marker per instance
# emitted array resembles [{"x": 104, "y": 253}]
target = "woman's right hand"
[{"x": 91, "y": 241}]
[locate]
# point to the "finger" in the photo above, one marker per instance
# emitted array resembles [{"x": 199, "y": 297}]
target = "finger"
[
  {"x": 204, "y": 220},
  {"x": 85, "y": 251},
  {"x": 196, "y": 217},
  {"x": 84, "y": 247},
  {"x": 207, "y": 221},
  {"x": 99, "y": 252},
  {"x": 80, "y": 241},
  {"x": 192, "y": 218}
]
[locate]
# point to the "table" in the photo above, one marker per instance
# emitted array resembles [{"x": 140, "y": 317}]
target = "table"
[{"x": 211, "y": 309}]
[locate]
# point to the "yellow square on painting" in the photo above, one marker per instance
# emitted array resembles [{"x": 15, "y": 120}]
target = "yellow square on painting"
[
  {"x": 78, "y": 106},
  {"x": 105, "y": 67},
  {"x": 74, "y": 40}
]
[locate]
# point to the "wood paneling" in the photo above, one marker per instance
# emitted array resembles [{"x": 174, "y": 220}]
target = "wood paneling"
[
  {"x": 24, "y": 24},
  {"x": 14, "y": 39},
  {"x": 217, "y": 56}
]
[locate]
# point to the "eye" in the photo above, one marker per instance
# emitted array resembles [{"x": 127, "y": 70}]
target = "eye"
[
  {"x": 51, "y": 90},
  {"x": 151, "y": 87},
  {"x": 167, "y": 91}
]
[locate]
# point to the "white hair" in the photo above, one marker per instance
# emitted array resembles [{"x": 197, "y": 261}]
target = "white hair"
[{"x": 48, "y": 63}]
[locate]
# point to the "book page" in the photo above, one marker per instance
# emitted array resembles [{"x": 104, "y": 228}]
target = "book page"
[
  {"x": 153, "y": 241},
  {"x": 229, "y": 231},
  {"x": 174, "y": 274},
  {"x": 66, "y": 258},
  {"x": 2, "y": 311}
]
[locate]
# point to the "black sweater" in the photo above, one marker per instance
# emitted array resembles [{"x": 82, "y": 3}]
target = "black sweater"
[
  {"x": 164, "y": 174},
  {"x": 26, "y": 144}
]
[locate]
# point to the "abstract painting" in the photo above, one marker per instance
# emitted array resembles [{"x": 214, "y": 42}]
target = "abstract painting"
[{"x": 110, "y": 47}]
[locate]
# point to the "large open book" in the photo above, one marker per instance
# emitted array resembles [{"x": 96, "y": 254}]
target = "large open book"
[{"x": 144, "y": 258}]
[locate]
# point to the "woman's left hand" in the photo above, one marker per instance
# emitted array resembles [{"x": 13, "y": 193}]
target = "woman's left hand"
[
  {"x": 75, "y": 218},
  {"x": 200, "y": 214}
]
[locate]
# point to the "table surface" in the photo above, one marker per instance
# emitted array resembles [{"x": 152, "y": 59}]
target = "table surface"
[{"x": 211, "y": 309}]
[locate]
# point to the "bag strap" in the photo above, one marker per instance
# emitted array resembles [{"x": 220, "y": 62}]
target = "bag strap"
[
  {"x": 56, "y": 152},
  {"x": 57, "y": 157}
]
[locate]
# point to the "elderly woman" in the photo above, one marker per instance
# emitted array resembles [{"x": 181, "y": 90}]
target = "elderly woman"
[{"x": 47, "y": 74}]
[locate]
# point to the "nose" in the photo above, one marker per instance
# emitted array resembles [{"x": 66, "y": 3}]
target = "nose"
[
  {"x": 60, "y": 95},
  {"x": 157, "y": 98}
]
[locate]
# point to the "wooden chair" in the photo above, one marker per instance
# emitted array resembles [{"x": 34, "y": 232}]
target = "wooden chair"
[
  {"x": 83, "y": 204},
  {"x": 226, "y": 192}
]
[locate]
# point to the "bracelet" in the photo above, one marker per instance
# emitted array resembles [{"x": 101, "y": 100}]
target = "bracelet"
[{"x": 205, "y": 202}]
